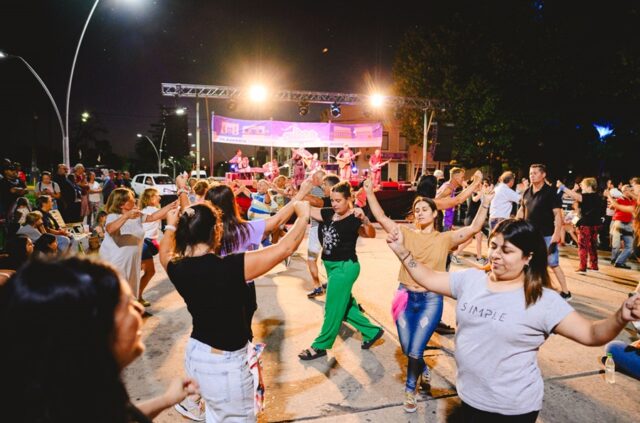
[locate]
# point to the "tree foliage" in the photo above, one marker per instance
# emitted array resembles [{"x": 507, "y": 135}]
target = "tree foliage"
[{"x": 524, "y": 81}]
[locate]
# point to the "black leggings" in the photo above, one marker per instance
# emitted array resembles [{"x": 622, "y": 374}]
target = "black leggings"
[{"x": 473, "y": 415}]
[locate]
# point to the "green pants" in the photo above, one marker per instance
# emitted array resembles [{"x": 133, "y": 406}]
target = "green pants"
[{"x": 340, "y": 305}]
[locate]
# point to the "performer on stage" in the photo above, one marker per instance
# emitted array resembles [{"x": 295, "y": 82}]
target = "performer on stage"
[
  {"x": 235, "y": 161},
  {"x": 299, "y": 157},
  {"x": 271, "y": 170},
  {"x": 345, "y": 157},
  {"x": 243, "y": 165},
  {"x": 375, "y": 163},
  {"x": 314, "y": 163}
]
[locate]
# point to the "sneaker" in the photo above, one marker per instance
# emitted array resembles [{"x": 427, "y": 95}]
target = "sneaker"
[
  {"x": 455, "y": 259},
  {"x": 194, "y": 410},
  {"x": 444, "y": 329},
  {"x": 410, "y": 404},
  {"x": 315, "y": 292},
  {"x": 144, "y": 302},
  {"x": 324, "y": 286},
  {"x": 366, "y": 345},
  {"x": 481, "y": 260},
  {"x": 622, "y": 266},
  {"x": 425, "y": 383},
  {"x": 567, "y": 296}
]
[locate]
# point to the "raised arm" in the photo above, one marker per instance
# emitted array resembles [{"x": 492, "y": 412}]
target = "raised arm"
[
  {"x": 259, "y": 262},
  {"x": 387, "y": 224},
  {"x": 613, "y": 204},
  {"x": 168, "y": 242},
  {"x": 575, "y": 195},
  {"x": 590, "y": 333},
  {"x": 113, "y": 228},
  {"x": 461, "y": 235},
  {"x": 284, "y": 214},
  {"x": 437, "y": 282},
  {"x": 367, "y": 230},
  {"x": 446, "y": 202},
  {"x": 162, "y": 213}
]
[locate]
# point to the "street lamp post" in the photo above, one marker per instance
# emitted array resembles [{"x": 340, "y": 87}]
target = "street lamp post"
[{"x": 154, "y": 149}]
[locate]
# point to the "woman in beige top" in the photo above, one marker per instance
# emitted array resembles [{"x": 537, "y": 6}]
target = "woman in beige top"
[{"x": 416, "y": 310}]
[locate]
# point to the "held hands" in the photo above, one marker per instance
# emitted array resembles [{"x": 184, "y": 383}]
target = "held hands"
[
  {"x": 368, "y": 186},
  {"x": 173, "y": 216},
  {"x": 302, "y": 209},
  {"x": 179, "y": 388},
  {"x": 487, "y": 195},
  {"x": 134, "y": 213},
  {"x": 477, "y": 177},
  {"x": 395, "y": 240},
  {"x": 359, "y": 214},
  {"x": 631, "y": 309}
]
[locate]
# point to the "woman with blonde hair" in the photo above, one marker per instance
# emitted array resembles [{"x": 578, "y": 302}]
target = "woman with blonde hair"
[
  {"x": 149, "y": 204},
  {"x": 124, "y": 235}
]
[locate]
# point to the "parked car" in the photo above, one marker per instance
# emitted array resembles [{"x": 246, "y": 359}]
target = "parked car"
[
  {"x": 163, "y": 183},
  {"x": 202, "y": 175}
]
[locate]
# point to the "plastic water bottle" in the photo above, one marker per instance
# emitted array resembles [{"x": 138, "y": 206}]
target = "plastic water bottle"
[{"x": 609, "y": 369}]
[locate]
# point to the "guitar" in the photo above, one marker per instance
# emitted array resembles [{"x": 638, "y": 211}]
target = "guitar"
[
  {"x": 342, "y": 162},
  {"x": 270, "y": 171},
  {"x": 379, "y": 166}
]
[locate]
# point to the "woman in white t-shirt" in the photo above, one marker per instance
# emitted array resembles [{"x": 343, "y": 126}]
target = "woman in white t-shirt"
[
  {"x": 95, "y": 197},
  {"x": 124, "y": 235},
  {"x": 47, "y": 187},
  {"x": 504, "y": 317},
  {"x": 149, "y": 204}
]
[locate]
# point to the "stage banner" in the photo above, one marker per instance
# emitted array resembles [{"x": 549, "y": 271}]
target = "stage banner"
[{"x": 273, "y": 133}]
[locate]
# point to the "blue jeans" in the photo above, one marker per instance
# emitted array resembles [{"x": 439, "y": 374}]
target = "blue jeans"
[
  {"x": 415, "y": 326},
  {"x": 552, "y": 259},
  {"x": 626, "y": 357},
  {"x": 226, "y": 384},
  {"x": 621, "y": 231}
]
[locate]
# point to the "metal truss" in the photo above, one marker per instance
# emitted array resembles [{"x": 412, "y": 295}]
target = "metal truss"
[{"x": 223, "y": 92}]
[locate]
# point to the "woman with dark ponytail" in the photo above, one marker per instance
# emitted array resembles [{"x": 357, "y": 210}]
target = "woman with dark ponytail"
[{"x": 503, "y": 319}]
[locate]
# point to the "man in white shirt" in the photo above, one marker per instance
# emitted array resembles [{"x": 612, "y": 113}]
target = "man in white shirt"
[{"x": 502, "y": 204}]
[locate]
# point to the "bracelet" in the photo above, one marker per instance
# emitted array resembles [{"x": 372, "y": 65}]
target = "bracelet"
[
  {"x": 405, "y": 257},
  {"x": 170, "y": 228},
  {"x": 483, "y": 206}
]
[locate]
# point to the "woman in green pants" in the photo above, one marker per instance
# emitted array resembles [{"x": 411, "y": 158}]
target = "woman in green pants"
[{"x": 339, "y": 229}]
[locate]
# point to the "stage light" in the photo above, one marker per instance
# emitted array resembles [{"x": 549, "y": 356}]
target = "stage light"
[
  {"x": 257, "y": 93},
  {"x": 335, "y": 110},
  {"x": 377, "y": 100},
  {"x": 232, "y": 105},
  {"x": 180, "y": 111},
  {"x": 303, "y": 108}
]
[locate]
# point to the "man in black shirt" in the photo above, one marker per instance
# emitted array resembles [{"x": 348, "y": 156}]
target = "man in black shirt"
[
  {"x": 11, "y": 188},
  {"x": 542, "y": 207}
]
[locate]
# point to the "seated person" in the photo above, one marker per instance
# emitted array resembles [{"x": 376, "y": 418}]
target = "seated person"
[
  {"x": 46, "y": 246},
  {"x": 33, "y": 226},
  {"x": 44, "y": 205}
]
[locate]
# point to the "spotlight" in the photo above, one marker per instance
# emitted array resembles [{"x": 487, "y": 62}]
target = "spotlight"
[
  {"x": 303, "y": 108},
  {"x": 335, "y": 110}
]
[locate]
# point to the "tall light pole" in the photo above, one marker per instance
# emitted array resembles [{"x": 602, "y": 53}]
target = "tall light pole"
[
  {"x": 427, "y": 126},
  {"x": 154, "y": 149},
  {"x": 46, "y": 90}
]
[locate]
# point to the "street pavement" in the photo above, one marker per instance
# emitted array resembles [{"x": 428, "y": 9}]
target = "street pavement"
[{"x": 355, "y": 385}]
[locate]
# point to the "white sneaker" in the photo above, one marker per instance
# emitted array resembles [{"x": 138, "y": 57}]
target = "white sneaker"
[
  {"x": 410, "y": 404},
  {"x": 455, "y": 259},
  {"x": 194, "y": 410}
]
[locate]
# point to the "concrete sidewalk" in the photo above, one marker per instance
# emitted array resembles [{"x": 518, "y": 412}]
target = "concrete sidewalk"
[{"x": 352, "y": 384}]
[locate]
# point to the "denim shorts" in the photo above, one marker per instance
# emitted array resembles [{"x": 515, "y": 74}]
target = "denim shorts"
[
  {"x": 554, "y": 258},
  {"x": 226, "y": 383}
]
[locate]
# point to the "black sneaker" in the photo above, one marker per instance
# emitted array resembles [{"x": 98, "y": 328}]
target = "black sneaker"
[
  {"x": 622, "y": 266},
  {"x": 324, "y": 286},
  {"x": 444, "y": 329},
  {"x": 315, "y": 292},
  {"x": 566, "y": 295},
  {"x": 366, "y": 345}
]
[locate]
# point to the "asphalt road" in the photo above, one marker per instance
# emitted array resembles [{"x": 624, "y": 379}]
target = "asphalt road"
[{"x": 354, "y": 385}]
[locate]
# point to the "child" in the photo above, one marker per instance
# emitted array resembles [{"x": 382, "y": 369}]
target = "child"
[{"x": 98, "y": 229}]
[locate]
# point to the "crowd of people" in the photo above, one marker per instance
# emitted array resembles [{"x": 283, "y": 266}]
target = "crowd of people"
[{"x": 72, "y": 323}]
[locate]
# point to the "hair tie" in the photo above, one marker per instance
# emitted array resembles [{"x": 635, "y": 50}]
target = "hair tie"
[{"x": 189, "y": 211}]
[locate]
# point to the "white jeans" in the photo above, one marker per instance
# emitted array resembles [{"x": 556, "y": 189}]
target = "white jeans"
[{"x": 226, "y": 384}]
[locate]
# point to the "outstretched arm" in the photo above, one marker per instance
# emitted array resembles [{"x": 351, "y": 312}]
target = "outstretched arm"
[
  {"x": 284, "y": 214},
  {"x": 259, "y": 262},
  {"x": 573, "y": 194},
  {"x": 387, "y": 224},
  {"x": 590, "y": 333},
  {"x": 162, "y": 213},
  {"x": 437, "y": 282},
  {"x": 461, "y": 235},
  {"x": 445, "y": 201}
]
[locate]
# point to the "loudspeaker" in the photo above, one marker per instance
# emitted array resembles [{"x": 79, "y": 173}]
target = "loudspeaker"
[{"x": 444, "y": 142}]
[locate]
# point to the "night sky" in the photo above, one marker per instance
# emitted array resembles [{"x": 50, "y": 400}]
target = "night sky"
[{"x": 132, "y": 46}]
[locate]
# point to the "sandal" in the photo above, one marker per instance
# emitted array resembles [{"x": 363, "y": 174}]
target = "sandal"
[{"x": 311, "y": 354}]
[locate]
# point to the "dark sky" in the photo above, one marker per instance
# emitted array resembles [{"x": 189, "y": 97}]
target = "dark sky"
[{"x": 132, "y": 46}]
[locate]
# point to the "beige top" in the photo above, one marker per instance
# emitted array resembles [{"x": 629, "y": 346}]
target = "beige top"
[{"x": 428, "y": 248}]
